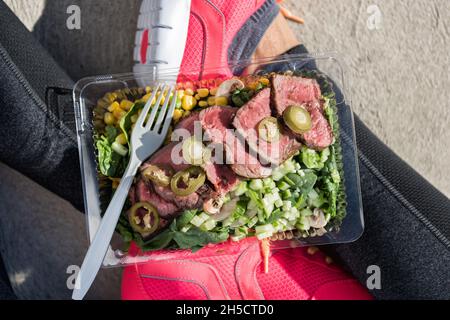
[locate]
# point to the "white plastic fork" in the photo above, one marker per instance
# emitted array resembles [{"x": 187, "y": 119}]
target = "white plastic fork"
[{"x": 148, "y": 135}]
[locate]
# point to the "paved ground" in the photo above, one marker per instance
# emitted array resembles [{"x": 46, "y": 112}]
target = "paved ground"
[{"x": 396, "y": 52}]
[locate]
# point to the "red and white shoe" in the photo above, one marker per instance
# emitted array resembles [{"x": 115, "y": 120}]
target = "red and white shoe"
[
  {"x": 161, "y": 35},
  {"x": 298, "y": 273}
]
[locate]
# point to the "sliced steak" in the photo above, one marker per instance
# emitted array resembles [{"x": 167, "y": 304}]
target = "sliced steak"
[
  {"x": 164, "y": 157},
  {"x": 221, "y": 177},
  {"x": 192, "y": 201},
  {"x": 188, "y": 123},
  {"x": 145, "y": 193},
  {"x": 250, "y": 167},
  {"x": 321, "y": 135},
  {"x": 216, "y": 121},
  {"x": 246, "y": 122},
  {"x": 245, "y": 162},
  {"x": 291, "y": 90}
]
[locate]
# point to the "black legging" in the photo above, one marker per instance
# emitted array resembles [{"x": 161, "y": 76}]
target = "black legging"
[{"x": 407, "y": 232}]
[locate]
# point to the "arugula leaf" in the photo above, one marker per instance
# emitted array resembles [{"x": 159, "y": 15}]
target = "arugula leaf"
[
  {"x": 159, "y": 242},
  {"x": 195, "y": 238},
  {"x": 241, "y": 97}
]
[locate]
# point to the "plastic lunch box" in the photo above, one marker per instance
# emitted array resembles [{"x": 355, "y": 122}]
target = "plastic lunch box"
[{"x": 88, "y": 90}]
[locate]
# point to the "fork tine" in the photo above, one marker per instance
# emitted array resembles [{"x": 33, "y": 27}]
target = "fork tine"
[
  {"x": 169, "y": 117},
  {"x": 147, "y": 107},
  {"x": 152, "y": 116},
  {"x": 163, "y": 111}
]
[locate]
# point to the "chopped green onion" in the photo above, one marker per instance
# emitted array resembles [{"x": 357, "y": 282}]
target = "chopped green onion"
[
  {"x": 240, "y": 189},
  {"x": 256, "y": 184},
  {"x": 209, "y": 225},
  {"x": 119, "y": 149},
  {"x": 283, "y": 186}
]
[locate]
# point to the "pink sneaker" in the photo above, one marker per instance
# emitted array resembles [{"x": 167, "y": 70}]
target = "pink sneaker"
[{"x": 299, "y": 273}]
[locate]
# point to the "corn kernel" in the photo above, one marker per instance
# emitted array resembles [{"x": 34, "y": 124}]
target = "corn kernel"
[
  {"x": 180, "y": 94},
  {"x": 121, "y": 139},
  {"x": 203, "y": 104},
  {"x": 109, "y": 118},
  {"x": 119, "y": 113},
  {"x": 189, "y": 92},
  {"x": 188, "y": 103},
  {"x": 119, "y": 94},
  {"x": 264, "y": 81},
  {"x": 211, "y": 101},
  {"x": 148, "y": 89},
  {"x": 102, "y": 103},
  {"x": 113, "y": 106},
  {"x": 177, "y": 114},
  {"x": 134, "y": 118},
  {"x": 213, "y": 91},
  {"x": 146, "y": 97},
  {"x": 163, "y": 99},
  {"x": 203, "y": 93},
  {"x": 221, "y": 101},
  {"x": 126, "y": 104},
  {"x": 197, "y": 97},
  {"x": 111, "y": 97}
]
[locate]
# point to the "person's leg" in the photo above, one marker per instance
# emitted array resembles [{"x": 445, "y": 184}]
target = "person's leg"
[
  {"x": 407, "y": 232},
  {"x": 34, "y": 140},
  {"x": 41, "y": 235}
]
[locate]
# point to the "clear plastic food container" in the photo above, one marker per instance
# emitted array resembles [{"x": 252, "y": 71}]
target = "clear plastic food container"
[{"x": 89, "y": 90}]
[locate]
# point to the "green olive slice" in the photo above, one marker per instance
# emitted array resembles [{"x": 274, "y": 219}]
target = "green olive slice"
[{"x": 298, "y": 119}]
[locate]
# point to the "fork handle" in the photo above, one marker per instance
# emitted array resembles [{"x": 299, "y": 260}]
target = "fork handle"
[{"x": 99, "y": 246}]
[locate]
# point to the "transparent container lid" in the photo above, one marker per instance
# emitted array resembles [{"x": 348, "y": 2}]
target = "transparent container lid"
[{"x": 89, "y": 90}]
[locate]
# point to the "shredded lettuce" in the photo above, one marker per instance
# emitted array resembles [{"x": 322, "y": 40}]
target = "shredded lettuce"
[{"x": 110, "y": 163}]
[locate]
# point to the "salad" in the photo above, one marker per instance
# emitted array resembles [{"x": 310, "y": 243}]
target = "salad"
[{"x": 279, "y": 178}]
